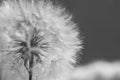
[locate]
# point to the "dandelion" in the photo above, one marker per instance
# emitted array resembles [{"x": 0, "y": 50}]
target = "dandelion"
[{"x": 38, "y": 40}]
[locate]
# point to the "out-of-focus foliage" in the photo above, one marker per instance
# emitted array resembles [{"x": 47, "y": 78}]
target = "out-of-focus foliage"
[{"x": 100, "y": 70}]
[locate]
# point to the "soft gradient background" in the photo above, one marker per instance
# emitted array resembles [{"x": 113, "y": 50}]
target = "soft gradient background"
[{"x": 100, "y": 26}]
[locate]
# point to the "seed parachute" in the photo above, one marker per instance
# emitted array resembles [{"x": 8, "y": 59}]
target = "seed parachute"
[{"x": 38, "y": 40}]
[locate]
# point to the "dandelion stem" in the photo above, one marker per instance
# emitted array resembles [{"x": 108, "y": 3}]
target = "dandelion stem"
[
  {"x": 31, "y": 67},
  {"x": 30, "y": 75}
]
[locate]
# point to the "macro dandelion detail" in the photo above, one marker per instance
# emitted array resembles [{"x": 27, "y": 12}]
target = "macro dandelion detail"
[{"x": 38, "y": 40}]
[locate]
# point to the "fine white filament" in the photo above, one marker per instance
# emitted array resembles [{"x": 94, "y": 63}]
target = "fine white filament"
[{"x": 38, "y": 37}]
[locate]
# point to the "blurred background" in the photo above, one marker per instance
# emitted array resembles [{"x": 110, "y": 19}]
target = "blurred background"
[{"x": 99, "y": 25}]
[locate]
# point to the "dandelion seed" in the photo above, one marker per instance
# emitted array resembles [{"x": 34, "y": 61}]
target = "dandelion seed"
[{"x": 41, "y": 42}]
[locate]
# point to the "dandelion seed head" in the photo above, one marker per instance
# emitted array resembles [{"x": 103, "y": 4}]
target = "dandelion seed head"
[{"x": 41, "y": 29}]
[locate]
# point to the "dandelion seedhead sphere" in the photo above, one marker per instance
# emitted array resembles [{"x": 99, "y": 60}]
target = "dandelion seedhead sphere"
[{"x": 38, "y": 40}]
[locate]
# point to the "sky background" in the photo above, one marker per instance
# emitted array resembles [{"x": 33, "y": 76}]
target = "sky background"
[{"x": 99, "y": 23}]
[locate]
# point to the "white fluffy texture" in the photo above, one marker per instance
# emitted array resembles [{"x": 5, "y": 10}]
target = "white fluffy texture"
[
  {"x": 102, "y": 69},
  {"x": 54, "y": 22}
]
